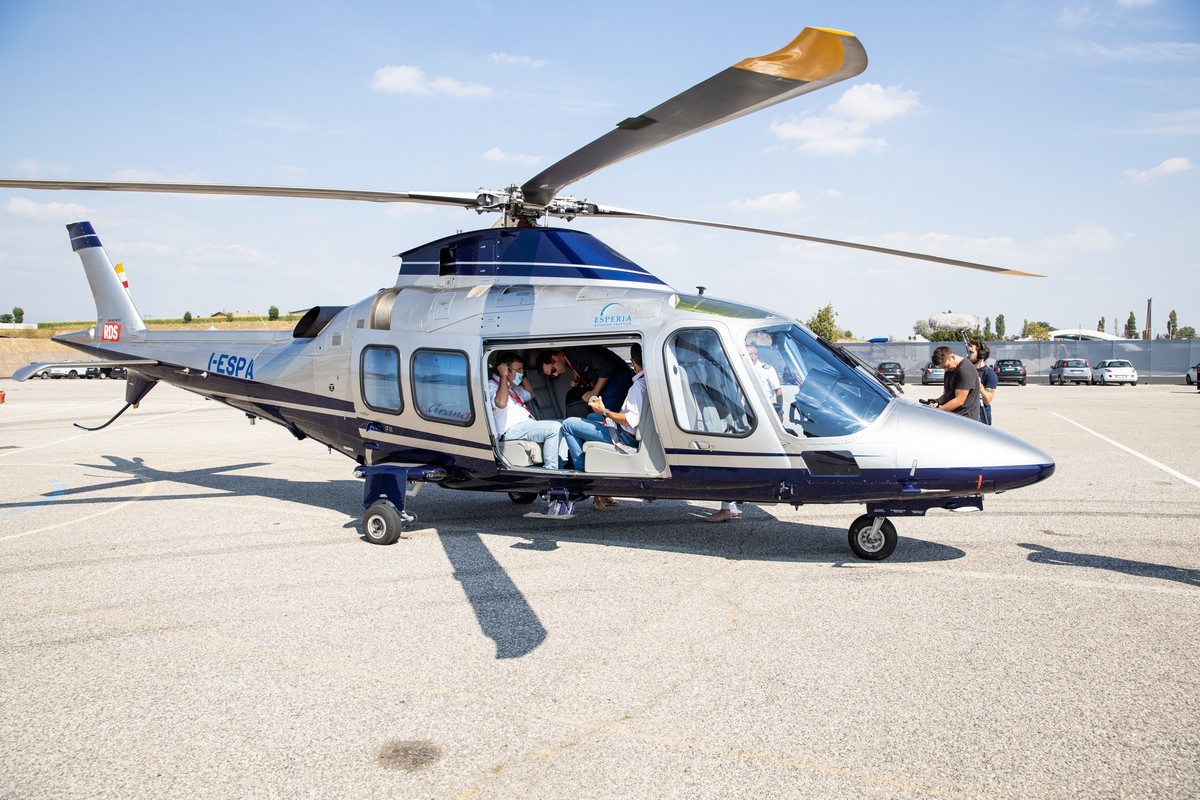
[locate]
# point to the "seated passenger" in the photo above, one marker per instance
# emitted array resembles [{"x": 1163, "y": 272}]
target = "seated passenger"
[
  {"x": 598, "y": 370},
  {"x": 511, "y": 414},
  {"x": 593, "y": 427}
]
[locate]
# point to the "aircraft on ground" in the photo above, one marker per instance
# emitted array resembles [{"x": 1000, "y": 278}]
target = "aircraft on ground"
[{"x": 398, "y": 381}]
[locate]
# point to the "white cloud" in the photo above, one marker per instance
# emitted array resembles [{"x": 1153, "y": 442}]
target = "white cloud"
[
  {"x": 152, "y": 176},
  {"x": 518, "y": 61},
  {"x": 873, "y": 103},
  {"x": 496, "y": 154},
  {"x": 274, "y": 120},
  {"x": 413, "y": 80},
  {"x": 30, "y": 168},
  {"x": 777, "y": 202},
  {"x": 227, "y": 254},
  {"x": 1089, "y": 52},
  {"x": 1087, "y": 236},
  {"x": 146, "y": 250},
  {"x": 1169, "y": 123},
  {"x": 843, "y": 127},
  {"x": 1168, "y": 167},
  {"x": 45, "y": 212},
  {"x": 1077, "y": 16},
  {"x": 1135, "y": 3}
]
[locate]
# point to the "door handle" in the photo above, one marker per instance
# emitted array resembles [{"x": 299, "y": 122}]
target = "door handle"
[{"x": 699, "y": 445}]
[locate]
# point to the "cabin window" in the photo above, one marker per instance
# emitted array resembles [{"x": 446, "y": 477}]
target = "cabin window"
[
  {"x": 440, "y": 386},
  {"x": 824, "y": 392},
  {"x": 705, "y": 394},
  {"x": 380, "y": 379}
]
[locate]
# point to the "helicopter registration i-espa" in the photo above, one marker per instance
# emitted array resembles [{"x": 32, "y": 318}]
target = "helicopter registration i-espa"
[{"x": 398, "y": 381}]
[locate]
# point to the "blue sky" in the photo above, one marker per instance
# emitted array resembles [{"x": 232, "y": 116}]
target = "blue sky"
[{"x": 1058, "y": 138}]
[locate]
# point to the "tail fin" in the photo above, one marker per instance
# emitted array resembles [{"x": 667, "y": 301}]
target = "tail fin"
[{"x": 116, "y": 317}]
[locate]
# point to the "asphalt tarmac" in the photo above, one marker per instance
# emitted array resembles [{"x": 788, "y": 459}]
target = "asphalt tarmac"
[{"x": 188, "y": 610}]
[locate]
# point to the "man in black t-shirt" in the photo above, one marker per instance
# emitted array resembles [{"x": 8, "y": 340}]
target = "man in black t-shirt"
[{"x": 961, "y": 395}]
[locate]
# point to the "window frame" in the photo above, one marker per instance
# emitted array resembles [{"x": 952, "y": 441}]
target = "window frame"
[
  {"x": 751, "y": 412},
  {"x": 412, "y": 376},
  {"x": 362, "y": 378}
]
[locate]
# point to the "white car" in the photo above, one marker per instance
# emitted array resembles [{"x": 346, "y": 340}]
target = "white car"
[
  {"x": 57, "y": 372},
  {"x": 1114, "y": 370}
]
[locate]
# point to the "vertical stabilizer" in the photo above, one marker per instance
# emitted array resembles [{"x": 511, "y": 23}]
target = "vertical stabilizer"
[{"x": 116, "y": 317}]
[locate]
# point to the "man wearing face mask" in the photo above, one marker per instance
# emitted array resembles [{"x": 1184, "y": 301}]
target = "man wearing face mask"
[{"x": 509, "y": 401}]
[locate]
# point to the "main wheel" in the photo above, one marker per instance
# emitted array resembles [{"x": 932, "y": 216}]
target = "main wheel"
[
  {"x": 872, "y": 546},
  {"x": 522, "y": 498},
  {"x": 382, "y": 524}
]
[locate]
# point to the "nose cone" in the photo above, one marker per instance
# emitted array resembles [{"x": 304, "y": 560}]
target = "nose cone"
[{"x": 937, "y": 440}]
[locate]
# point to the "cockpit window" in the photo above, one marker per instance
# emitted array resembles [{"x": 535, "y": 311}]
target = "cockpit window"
[
  {"x": 704, "y": 392},
  {"x": 823, "y": 394}
]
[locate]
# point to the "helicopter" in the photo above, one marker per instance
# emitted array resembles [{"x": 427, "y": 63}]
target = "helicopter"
[{"x": 398, "y": 381}]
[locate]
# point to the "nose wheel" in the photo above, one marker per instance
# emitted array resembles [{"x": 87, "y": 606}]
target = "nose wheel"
[
  {"x": 872, "y": 538},
  {"x": 383, "y": 523}
]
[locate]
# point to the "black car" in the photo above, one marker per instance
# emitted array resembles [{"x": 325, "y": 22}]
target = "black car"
[
  {"x": 891, "y": 371},
  {"x": 1010, "y": 370}
]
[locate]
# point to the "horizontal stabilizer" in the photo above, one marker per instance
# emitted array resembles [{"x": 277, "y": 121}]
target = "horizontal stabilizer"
[{"x": 29, "y": 370}]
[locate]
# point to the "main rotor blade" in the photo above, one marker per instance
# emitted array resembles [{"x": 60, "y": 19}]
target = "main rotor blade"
[
  {"x": 816, "y": 58},
  {"x": 461, "y": 199},
  {"x": 610, "y": 211}
]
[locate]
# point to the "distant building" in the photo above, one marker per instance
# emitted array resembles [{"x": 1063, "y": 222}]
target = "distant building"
[{"x": 1084, "y": 333}]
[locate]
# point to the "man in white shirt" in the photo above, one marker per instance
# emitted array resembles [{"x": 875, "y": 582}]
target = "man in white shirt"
[
  {"x": 594, "y": 427},
  {"x": 768, "y": 377},
  {"x": 509, "y": 402}
]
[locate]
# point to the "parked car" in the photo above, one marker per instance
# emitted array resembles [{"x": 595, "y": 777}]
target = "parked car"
[
  {"x": 1010, "y": 369},
  {"x": 1114, "y": 370},
  {"x": 1074, "y": 370},
  {"x": 1192, "y": 375},
  {"x": 931, "y": 374},
  {"x": 56, "y": 372},
  {"x": 891, "y": 371}
]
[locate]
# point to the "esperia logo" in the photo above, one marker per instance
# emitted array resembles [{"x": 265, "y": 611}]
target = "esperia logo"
[{"x": 612, "y": 314}]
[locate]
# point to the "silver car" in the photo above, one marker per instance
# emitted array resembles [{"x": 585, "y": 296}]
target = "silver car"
[
  {"x": 1114, "y": 370},
  {"x": 1073, "y": 370},
  {"x": 931, "y": 374}
]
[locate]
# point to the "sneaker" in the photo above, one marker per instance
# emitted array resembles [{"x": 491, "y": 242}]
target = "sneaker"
[
  {"x": 611, "y": 501},
  {"x": 723, "y": 515},
  {"x": 598, "y": 504}
]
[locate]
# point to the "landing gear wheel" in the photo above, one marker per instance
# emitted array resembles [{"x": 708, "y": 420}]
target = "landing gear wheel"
[
  {"x": 383, "y": 523},
  {"x": 872, "y": 545},
  {"x": 522, "y": 498}
]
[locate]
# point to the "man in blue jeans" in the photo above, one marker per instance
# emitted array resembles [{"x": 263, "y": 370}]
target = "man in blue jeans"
[
  {"x": 593, "y": 427},
  {"x": 514, "y": 421}
]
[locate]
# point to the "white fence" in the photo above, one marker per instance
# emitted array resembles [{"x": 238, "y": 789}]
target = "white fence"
[{"x": 1161, "y": 360}]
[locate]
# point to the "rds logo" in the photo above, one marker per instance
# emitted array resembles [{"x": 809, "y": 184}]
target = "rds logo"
[
  {"x": 611, "y": 315},
  {"x": 110, "y": 332}
]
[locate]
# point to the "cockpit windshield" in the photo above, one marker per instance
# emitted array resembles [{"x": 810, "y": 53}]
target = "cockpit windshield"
[{"x": 822, "y": 394}]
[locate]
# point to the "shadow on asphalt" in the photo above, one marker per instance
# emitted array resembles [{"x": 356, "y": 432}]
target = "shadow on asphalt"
[{"x": 1040, "y": 554}]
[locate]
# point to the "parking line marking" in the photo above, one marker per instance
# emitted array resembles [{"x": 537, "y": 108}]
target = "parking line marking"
[
  {"x": 147, "y": 488},
  {"x": 1132, "y": 452}
]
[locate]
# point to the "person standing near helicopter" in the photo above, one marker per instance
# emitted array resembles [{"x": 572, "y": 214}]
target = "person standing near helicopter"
[
  {"x": 977, "y": 354},
  {"x": 961, "y": 395}
]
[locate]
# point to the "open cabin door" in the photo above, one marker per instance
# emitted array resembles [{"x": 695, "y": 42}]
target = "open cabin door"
[{"x": 714, "y": 430}]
